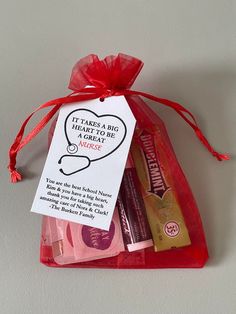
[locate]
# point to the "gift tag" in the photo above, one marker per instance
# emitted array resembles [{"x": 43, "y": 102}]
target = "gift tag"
[{"x": 85, "y": 163}]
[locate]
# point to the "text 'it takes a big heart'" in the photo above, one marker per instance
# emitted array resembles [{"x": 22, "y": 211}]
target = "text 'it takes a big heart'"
[{"x": 90, "y": 137}]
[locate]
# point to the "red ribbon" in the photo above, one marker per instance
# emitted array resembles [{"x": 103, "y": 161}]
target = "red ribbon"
[{"x": 90, "y": 93}]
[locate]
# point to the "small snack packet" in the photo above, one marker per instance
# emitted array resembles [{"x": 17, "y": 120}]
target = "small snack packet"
[
  {"x": 75, "y": 243},
  {"x": 92, "y": 243}
]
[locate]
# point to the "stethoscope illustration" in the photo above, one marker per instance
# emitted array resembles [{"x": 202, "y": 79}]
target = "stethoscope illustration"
[{"x": 72, "y": 148}]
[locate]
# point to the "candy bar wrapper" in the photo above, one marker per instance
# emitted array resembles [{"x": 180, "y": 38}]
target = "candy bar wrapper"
[{"x": 163, "y": 210}]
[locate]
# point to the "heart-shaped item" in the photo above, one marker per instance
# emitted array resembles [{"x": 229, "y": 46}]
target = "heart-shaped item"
[{"x": 93, "y": 136}]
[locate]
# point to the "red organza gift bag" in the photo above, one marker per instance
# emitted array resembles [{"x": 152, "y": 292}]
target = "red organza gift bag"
[{"x": 156, "y": 223}]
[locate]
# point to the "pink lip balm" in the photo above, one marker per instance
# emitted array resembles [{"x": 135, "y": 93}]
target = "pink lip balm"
[{"x": 132, "y": 211}]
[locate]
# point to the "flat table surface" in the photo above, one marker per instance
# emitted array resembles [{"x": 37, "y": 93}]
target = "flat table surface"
[{"x": 189, "y": 51}]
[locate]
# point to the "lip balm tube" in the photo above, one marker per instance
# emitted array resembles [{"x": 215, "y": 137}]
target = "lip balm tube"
[
  {"x": 74, "y": 243},
  {"x": 163, "y": 210},
  {"x": 133, "y": 217}
]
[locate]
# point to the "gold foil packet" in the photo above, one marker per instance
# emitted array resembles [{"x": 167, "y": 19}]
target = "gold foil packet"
[{"x": 163, "y": 211}]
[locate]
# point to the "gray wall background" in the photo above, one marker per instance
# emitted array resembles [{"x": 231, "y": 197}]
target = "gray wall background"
[{"x": 189, "y": 52}]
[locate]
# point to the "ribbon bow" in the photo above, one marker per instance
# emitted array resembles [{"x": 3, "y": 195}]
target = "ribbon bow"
[{"x": 92, "y": 78}]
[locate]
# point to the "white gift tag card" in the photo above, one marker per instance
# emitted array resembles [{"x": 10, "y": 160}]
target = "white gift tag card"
[{"x": 86, "y": 160}]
